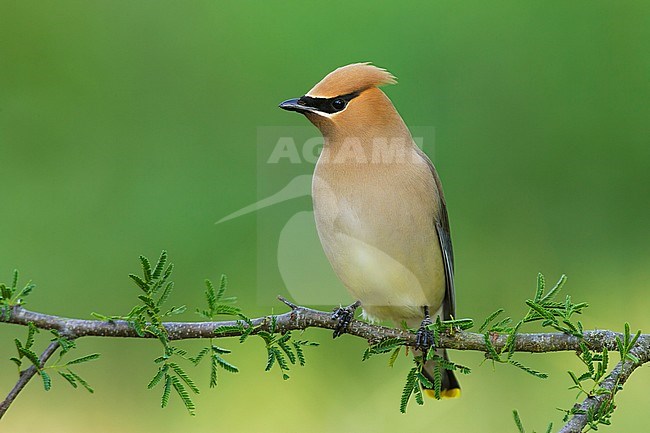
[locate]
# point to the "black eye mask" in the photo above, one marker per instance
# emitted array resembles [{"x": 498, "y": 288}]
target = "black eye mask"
[{"x": 327, "y": 105}]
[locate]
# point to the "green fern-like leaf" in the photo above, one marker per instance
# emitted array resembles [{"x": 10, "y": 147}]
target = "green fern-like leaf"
[
  {"x": 19, "y": 295},
  {"x": 411, "y": 383},
  {"x": 509, "y": 347},
  {"x": 463, "y": 324},
  {"x": 184, "y": 376},
  {"x": 214, "y": 375},
  {"x": 176, "y": 310},
  {"x": 31, "y": 332},
  {"x": 70, "y": 378},
  {"x": 424, "y": 381},
  {"x": 555, "y": 290},
  {"x": 30, "y": 355},
  {"x": 138, "y": 327},
  {"x": 541, "y": 284},
  {"x": 166, "y": 391},
  {"x": 150, "y": 303},
  {"x": 489, "y": 319},
  {"x": 165, "y": 294},
  {"x": 210, "y": 296},
  {"x": 14, "y": 281},
  {"x": 146, "y": 268},
  {"x": 299, "y": 353},
  {"x": 393, "y": 356},
  {"x": 239, "y": 328},
  {"x": 140, "y": 282},
  {"x": 220, "y": 350},
  {"x": 223, "y": 284},
  {"x": 83, "y": 359},
  {"x": 528, "y": 369},
  {"x": 65, "y": 343},
  {"x": 491, "y": 350},
  {"x": 178, "y": 351},
  {"x": 437, "y": 380},
  {"x": 183, "y": 394},
  {"x": 384, "y": 346},
  {"x": 282, "y": 342},
  {"x": 225, "y": 364},
  {"x": 5, "y": 294},
  {"x": 280, "y": 358},
  {"x": 47, "y": 380},
  {"x": 168, "y": 271},
  {"x": 602, "y": 365},
  {"x": 81, "y": 381},
  {"x": 162, "y": 372},
  {"x": 228, "y": 310},
  {"x": 270, "y": 360},
  {"x": 417, "y": 392},
  {"x": 160, "y": 265},
  {"x": 248, "y": 331},
  {"x": 541, "y": 311},
  {"x": 199, "y": 356},
  {"x": 266, "y": 336},
  {"x": 515, "y": 414}
]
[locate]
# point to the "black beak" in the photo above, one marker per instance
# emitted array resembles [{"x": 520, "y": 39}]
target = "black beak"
[{"x": 295, "y": 105}]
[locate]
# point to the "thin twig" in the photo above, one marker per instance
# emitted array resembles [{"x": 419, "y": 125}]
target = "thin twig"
[
  {"x": 25, "y": 377},
  {"x": 612, "y": 383}
]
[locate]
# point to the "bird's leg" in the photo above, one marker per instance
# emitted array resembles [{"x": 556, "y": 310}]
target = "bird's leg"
[
  {"x": 424, "y": 337},
  {"x": 343, "y": 316}
]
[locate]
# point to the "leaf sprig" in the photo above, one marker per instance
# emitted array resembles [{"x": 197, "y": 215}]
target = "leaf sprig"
[
  {"x": 542, "y": 308},
  {"x": 554, "y": 314},
  {"x": 26, "y": 352},
  {"x": 147, "y": 318},
  {"x": 416, "y": 380},
  {"x": 218, "y": 304},
  {"x": 520, "y": 425},
  {"x": 590, "y": 383},
  {"x": 283, "y": 350},
  {"x": 12, "y": 295}
]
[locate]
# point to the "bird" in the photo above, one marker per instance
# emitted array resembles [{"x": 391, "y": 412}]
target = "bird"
[{"x": 379, "y": 209}]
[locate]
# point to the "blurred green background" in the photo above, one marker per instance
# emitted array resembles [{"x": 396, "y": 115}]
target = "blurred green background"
[{"x": 130, "y": 127}]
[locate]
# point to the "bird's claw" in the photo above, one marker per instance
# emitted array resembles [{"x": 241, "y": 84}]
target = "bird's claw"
[
  {"x": 424, "y": 340},
  {"x": 343, "y": 316}
]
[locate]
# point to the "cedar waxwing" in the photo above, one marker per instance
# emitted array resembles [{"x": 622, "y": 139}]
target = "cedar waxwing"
[{"x": 379, "y": 207}]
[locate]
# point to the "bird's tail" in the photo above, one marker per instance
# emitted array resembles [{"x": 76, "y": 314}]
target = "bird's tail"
[{"x": 449, "y": 384}]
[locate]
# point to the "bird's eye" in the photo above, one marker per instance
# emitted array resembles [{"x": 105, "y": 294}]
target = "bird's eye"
[{"x": 338, "y": 104}]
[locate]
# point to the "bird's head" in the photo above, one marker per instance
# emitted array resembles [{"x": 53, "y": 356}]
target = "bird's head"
[{"x": 347, "y": 100}]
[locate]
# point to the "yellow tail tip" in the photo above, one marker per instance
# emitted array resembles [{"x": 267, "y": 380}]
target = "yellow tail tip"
[{"x": 445, "y": 393}]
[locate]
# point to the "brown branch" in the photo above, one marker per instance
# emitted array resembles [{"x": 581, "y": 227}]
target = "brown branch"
[{"x": 301, "y": 318}]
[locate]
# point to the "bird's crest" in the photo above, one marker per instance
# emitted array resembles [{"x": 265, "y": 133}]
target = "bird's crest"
[{"x": 356, "y": 77}]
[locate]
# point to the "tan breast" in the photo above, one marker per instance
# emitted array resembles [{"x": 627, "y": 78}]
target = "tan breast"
[{"x": 375, "y": 218}]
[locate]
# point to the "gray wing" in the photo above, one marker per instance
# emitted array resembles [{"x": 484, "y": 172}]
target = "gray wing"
[{"x": 444, "y": 237}]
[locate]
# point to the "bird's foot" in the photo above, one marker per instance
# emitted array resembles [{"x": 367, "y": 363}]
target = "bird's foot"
[
  {"x": 343, "y": 316},
  {"x": 424, "y": 340}
]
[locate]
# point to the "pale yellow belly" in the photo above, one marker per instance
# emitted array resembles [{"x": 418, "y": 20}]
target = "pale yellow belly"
[{"x": 388, "y": 286}]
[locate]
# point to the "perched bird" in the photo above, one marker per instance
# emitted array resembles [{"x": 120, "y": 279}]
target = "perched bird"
[{"x": 379, "y": 208}]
